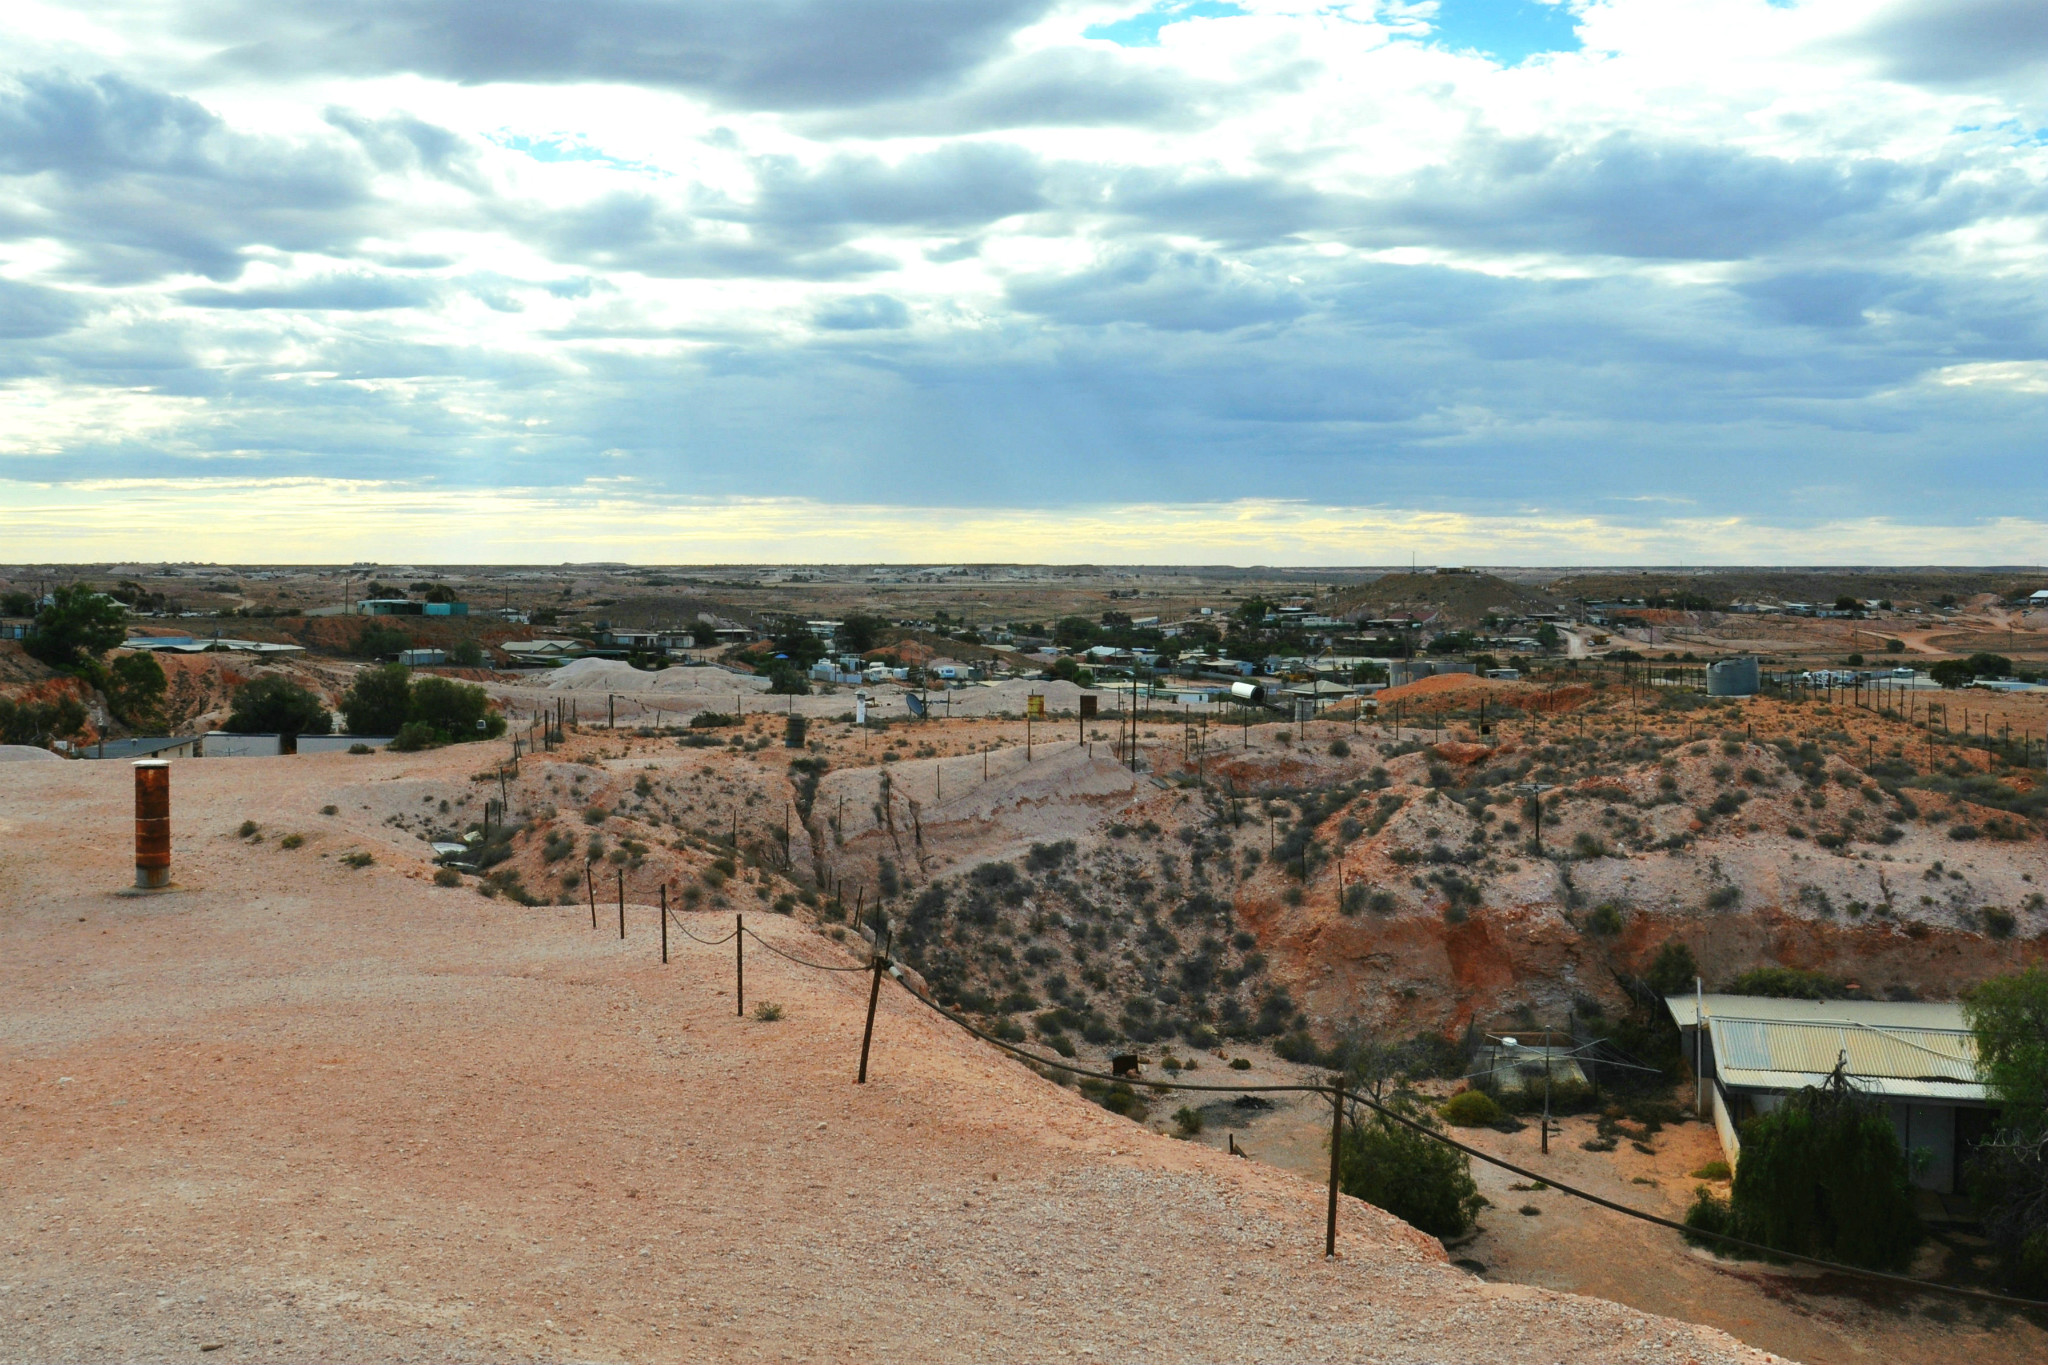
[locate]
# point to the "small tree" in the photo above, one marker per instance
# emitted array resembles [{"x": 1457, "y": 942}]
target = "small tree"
[
  {"x": 456, "y": 712},
  {"x": 2009, "y": 1016},
  {"x": 135, "y": 687},
  {"x": 376, "y": 641},
  {"x": 466, "y": 654},
  {"x": 860, "y": 632},
  {"x": 1409, "y": 1174},
  {"x": 1823, "y": 1176},
  {"x": 379, "y": 701},
  {"x": 76, "y": 628},
  {"x": 1673, "y": 971},
  {"x": 274, "y": 704},
  {"x": 2009, "y": 1177},
  {"x": 39, "y": 722},
  {"x": 784, "y": 680},
  {"x": 799, "y": 642}
]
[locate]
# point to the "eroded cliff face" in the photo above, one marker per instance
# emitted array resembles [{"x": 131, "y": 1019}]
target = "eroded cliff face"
[{"x": 1450, "y": 908}]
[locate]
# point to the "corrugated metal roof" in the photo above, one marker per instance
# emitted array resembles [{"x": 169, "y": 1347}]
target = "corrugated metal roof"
[
  {"x": 1937, "y": 1014},
  {"x": 1898, "y": 1061}
]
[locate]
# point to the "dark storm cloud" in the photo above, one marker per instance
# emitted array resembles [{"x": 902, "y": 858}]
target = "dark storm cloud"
[
  {"x": 137, "y": 184},
  {"x": 756, "y": 54},
  {"x": 1958, "y": 42},
  {"x": 355, "y": 292},
  {"x": 1172, "y": 291}
]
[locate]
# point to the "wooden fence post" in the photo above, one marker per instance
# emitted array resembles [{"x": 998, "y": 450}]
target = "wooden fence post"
[
  {"x": 590, "y": 887},
  {"x": 1336, "y": 1161},
  {"x": 867, "y": 1036},
  {"x": 664, "y": 924},
  {"x": 739, "y": 965}
]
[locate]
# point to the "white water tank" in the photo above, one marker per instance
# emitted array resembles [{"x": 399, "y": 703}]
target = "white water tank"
[{"x": 1732, "y": 677}]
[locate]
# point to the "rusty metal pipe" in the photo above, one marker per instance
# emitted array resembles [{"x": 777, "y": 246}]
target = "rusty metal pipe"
[{"x": 152, "y": 824}]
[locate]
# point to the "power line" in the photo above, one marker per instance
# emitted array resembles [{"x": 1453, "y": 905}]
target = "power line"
[{"x": 1340, "y": 1094}]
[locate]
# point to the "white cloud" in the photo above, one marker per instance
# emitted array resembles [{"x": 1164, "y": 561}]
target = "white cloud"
[{"x": 1730, "y": 254}]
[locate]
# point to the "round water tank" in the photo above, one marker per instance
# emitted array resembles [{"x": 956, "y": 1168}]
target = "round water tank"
[
  {"x": 1732, "y": 677},
  {"x": 1249, "y": 693}
]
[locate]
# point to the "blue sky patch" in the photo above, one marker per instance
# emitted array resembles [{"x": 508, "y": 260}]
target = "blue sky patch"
[
  {"x": 1507, "y": 30},
  {"x": 1142, "y": 30},
  {"x": 560, "y": 149}
]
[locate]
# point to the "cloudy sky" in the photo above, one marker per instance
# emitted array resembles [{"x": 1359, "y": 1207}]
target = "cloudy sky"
[{"x": 1503, "y": 281}]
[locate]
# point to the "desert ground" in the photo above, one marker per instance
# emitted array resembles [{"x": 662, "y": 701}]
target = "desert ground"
[{"x": 300, "y": 1109}]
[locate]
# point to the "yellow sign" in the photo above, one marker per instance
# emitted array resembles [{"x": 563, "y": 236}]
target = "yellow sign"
[{"x": 1034, "y": 706}]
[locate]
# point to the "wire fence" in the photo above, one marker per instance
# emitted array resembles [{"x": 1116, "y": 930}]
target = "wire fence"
[{"x": 1340, "y": 1096}]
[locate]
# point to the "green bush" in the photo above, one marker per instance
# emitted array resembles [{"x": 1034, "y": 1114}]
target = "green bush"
[
  {"x": 2009, "y": 1179},
  {"x": 275, "y": 705},
  {"x": 1409, "y": 1174},
  {"x": 39, "y": 722},
  {"x": 1471, "y": 1109},
  {"x": 447, "y": 876},
  {"x": 377, "y": 640},
  {"x": 456, "y": 711},
  {"x": 76, "y": 628},
  {"x": 1823, "y": 1176},
  {"x": 378, "y": 701},
  {"x": 1187, "y": 1122},
  {"x": 784, "y": 680},
  {"x": 1713, "y": 1170},
  {"x": 1709, "y": 1213},
  {"x": 1786, "y": 983},
  {"x": 135, "y": 686},
  {"x": 412, "y": 737},
  {"x": 1673, "y": 971},
  {"x": 1605, "y": 920}
]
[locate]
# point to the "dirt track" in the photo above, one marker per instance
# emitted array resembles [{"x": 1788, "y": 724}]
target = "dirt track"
[{"x": 302, "y": 1111}]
